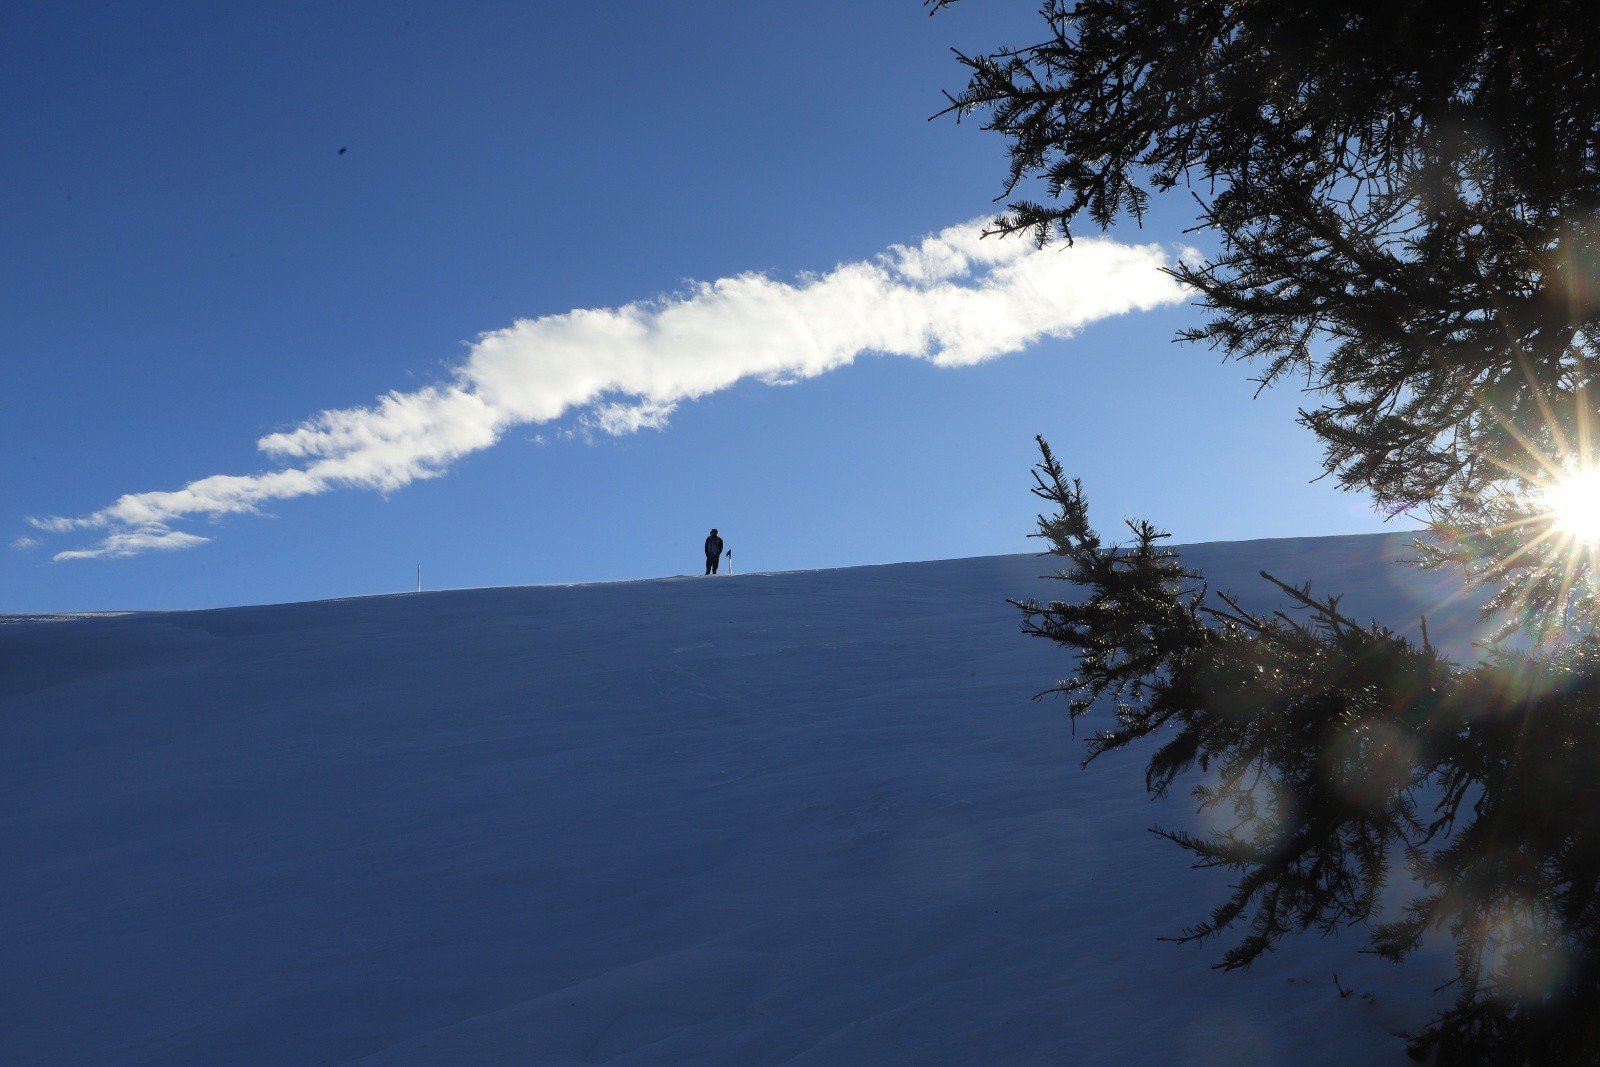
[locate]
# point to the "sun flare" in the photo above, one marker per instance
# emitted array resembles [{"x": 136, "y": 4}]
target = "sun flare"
[{"x": 1574, "y": 504}]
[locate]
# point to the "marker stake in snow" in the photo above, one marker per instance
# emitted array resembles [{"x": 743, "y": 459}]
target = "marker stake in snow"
[
  {"x": 419, "y": 577},
  {"x": 730, "y": 561}
]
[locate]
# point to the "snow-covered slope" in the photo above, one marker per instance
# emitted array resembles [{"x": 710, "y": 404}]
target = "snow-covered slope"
[{"x": 809, "y": 817}]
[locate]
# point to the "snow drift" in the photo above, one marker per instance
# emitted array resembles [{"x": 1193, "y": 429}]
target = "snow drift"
[{"x": 807, "y": 817}]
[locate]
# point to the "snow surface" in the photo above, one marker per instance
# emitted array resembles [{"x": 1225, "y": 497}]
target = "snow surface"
[{"x": 807, "y": 817}]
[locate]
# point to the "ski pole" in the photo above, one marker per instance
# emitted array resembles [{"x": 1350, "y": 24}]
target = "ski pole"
[{"x": 730, "y": 561}]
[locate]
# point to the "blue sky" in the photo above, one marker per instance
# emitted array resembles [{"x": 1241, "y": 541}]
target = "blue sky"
[{"x": 625, "y": 272}]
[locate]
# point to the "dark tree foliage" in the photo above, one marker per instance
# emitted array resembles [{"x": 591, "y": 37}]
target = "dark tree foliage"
[{"x": 1406, "y": 199}]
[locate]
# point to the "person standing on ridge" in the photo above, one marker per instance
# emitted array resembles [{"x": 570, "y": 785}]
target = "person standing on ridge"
[{"x": 713, "y": 552}]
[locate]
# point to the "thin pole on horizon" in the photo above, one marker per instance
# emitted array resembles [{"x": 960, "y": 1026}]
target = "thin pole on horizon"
[{"x": 419, "y": 577}]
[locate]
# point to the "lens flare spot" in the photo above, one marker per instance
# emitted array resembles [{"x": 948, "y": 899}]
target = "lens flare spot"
[{"x": 1521, "y": 953}]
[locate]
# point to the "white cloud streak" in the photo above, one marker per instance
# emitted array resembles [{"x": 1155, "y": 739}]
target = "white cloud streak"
[{"x": 954, "y": 300}]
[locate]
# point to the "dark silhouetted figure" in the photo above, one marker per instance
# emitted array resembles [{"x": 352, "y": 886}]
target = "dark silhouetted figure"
[{"x": 713, "y": 552}]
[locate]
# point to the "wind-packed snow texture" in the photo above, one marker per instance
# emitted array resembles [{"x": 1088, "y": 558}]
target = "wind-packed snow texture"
[{"x": 794, "y": 818}]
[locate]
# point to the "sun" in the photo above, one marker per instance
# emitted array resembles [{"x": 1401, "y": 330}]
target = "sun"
[{"x": 1574, "y": 504}]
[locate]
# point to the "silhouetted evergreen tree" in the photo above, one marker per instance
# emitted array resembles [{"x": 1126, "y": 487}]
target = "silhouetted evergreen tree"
[{"x": 1407, "y": 199}]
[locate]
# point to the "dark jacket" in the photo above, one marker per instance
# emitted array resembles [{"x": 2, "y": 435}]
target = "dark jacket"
[{"x": 713, "y": 547}]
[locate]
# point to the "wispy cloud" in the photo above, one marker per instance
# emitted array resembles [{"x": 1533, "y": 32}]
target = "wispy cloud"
[{"x": 954, "y": 299}]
